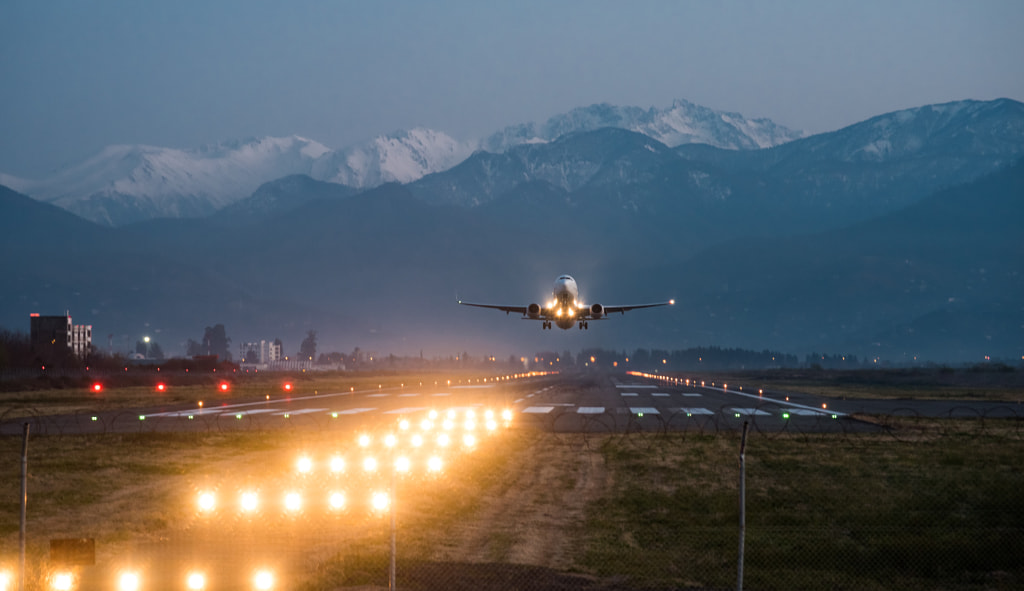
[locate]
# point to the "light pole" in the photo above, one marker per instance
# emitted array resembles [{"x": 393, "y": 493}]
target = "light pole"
[{"x": 146, "y": 340}]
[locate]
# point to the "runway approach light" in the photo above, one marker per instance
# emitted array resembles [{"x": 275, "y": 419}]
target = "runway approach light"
[
  {"x": 161, "y": 387},
  {"x": 97, "y": 387},
  {"x": 364, "y": 441},
  {"x": 195, "y": 581},
  {"x": 370, "y": 465},
  {"x": 62, "y": 581},
  {"x": 293, "y": 501},
  {"x": 337, "y": 465},
  {"x": 263, "y": 580},
  {"x": 380, "y": 501},
  {"x": 128, "y": 582},
  {"x": 337, "y": 500},
  {"x": 207, "y": 502},
  {"x": 434, "y": 464},
  {"x": 304, "y": 465},
  {"x": 250, "y": 501},
  {"x": 223, "y": 386}
]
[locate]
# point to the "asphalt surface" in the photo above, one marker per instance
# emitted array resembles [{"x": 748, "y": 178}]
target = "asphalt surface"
[{"x": 572, "y": 402}]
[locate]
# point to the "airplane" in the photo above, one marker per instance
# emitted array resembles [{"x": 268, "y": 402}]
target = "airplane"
[{"x": 565, "y": 310}]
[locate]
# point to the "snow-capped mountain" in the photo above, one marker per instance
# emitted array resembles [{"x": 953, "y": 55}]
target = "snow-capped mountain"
[
  {"x": 127, "y": 183},
  {"x": 682, "y": 123},
  {"x": 400, "y": 157}
]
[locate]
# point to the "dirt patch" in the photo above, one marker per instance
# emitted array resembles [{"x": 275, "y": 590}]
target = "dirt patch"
[{"x": 530, "y": 517}]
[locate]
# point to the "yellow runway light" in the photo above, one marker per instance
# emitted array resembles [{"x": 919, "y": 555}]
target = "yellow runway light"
[
  {"x": 304, "y": 465},
  {"x": 263, "y": 580},
  {"x": 195, "y": 581},
  {"x": 62, "y": 582},
  {"x": 293, "y": 501},
  {"x": 337, "y": 500},
  {"x": 207, "y": 501},
  {"x": 370, "y": 465},
  {"x": 434, "y": 464},
  {"x": 250, "y": 501},
  {"x": 128, "y": 582},
  {"x": 337, "y": 464},
  {"x": 380, "y": 501}
]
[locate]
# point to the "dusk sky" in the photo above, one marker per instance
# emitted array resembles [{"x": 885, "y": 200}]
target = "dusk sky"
[{"x": 78, "y": 76}]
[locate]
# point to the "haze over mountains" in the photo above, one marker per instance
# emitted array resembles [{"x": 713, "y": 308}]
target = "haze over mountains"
[
  {"x": 125, "y": 184},
  {"x": 895, "y": 237}
]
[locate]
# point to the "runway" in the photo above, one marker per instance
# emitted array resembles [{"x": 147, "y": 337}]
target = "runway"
[{"x": 588, "y": 401}]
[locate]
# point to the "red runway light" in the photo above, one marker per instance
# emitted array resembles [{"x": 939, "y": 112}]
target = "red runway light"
[
  {"x": 223, "y": 387},
  {"x": 97, "y": 387},
  {"x": 288, "y": 387},
  {"x": 161, "y": 387}
]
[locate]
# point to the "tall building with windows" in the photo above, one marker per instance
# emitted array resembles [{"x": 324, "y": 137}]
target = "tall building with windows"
[{"x": 52, "y": 337}]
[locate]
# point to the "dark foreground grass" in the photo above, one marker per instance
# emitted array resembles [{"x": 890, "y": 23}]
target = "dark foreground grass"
[
  {"x": 941, "y": 510},
  {"x": 869, "y": 513}
]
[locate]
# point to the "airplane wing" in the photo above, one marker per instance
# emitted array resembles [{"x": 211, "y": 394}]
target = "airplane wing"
[
  {"x": 624, "y": 309},
  {"x": 506, "y": 309}
]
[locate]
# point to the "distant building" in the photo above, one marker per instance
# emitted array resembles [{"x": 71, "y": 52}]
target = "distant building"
[
  {"x": 52, "y": 337},
  {"x": 260, "y": 347},
  {"x": 274, "y": 353}
]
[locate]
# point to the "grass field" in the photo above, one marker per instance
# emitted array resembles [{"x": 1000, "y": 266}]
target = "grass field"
[{"x": 934, "y": 508}]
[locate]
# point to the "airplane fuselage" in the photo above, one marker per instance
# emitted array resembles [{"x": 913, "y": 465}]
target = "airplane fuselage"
[{"x": 565, "y": 310}]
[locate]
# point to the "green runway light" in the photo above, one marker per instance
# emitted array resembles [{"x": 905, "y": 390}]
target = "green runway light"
[
  {"x": 238, "y": 416},
  {"x": 142, "y": 417},
  {"x": 334, "y": 414},
  {"x": 785, "y": 415},
  {"x": 689, "y": 414},
  {"x": 95, "y": 419},
  {"x": 835, "y": 416},
  {"x": 737, "y": 415},
  {"x": 640, "y": 414},
  {"x": 287, "y": 415},
  {"x": 190, "y": 417}
]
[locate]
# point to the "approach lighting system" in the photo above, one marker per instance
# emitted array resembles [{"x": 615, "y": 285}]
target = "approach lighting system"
[
  {"x": 195, "y": 581},
  {"x": 293, "y": 501},
  {"x": 62, "y": 581},
  {"x": 207, "y": 502},
  {"x": 262, "y": 580},
  {"x": 128, "y": 582},
  {"x": 434, "y": 464},
  {"x": 337, "y": 464},
  {"x": 337, "y": 500},
  {"x": 380, "y": 501},
  {"x": 304, "y": 465},
  {"x": 402, "y": 464},
  {"x": 370, "y": 465},
  {"x": 250, "y": 501}
]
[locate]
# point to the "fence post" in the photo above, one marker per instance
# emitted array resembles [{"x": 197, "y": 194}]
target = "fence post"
[
  {"x": 743, "y": 505},
  {"x": 24, "y": 506}
]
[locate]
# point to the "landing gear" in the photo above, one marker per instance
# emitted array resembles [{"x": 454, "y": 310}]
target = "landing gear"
[
  {"x": 584, "y": 325},
  {"x": 546, "y": 325}
]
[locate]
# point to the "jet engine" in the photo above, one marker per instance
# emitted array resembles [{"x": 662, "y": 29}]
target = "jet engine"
[
  {"x": 533, "y": 311},
  {"x": 596, "y": 311}
]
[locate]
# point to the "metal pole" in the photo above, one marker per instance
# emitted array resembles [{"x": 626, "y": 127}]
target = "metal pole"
[
  {"x": 743, "y": 504},
  {"x": 391, "y": 571},
  {"x": 24, "y": 509}
]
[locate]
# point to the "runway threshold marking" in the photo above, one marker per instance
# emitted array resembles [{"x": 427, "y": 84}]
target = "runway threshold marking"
[
  {"x": 635, "y": 386},
  {"x": 660, "y": 394},
  {"x": 696, "y": 411},
  {"x": 538, "y": 410},
  {"x": 751, "y": 412},
  {"x": 629, "y": 394},
  {"x": 643, "y": 410},
  {"x": 355, "y": 411},
  {"x": 402, "y": 411},
  {"x": 301, "y": 411},
  {"x": 782, "y": 402},
  {"x": 590, "y": 410},
  {"x": 692, "y": 395}
]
